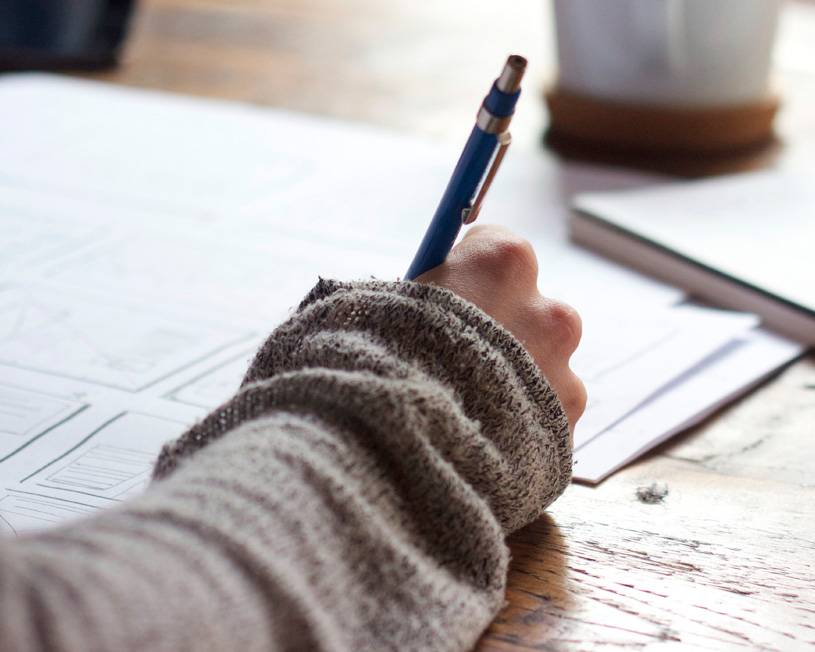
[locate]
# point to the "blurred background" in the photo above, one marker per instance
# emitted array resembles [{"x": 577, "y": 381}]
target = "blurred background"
[
  {"x": 411, "y": 65},
  {"x": 414, "y": 65}
]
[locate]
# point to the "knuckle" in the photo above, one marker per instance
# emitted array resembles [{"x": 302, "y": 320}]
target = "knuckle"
[
  {"x": 511, "y": 260},
  {"x": 564, "y": 323},
  {"x": 574, "y": 399}
]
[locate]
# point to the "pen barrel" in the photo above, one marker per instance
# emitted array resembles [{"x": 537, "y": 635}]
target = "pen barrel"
[
  {"x": 447, "y": 220},
  {"x": 490, "y": 129}
]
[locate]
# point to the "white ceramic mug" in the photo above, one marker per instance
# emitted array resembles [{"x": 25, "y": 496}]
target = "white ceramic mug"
[{"x": 690, "y": 53}]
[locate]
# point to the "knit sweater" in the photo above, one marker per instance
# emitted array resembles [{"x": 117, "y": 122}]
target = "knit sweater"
[{"x": 354, "y": 495}]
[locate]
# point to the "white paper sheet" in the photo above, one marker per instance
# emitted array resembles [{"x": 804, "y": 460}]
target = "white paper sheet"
[
  {"x": 688, "y": 400},
  {"x": 622, "y": 366}
]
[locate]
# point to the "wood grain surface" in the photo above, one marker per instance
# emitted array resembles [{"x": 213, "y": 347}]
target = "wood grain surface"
[{"x": 708, "y": 543}]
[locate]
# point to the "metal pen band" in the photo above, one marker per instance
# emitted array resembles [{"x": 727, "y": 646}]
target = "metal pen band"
[{"x": 490, "y": 124}]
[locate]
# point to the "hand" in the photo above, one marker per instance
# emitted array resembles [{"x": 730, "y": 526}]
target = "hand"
[{"x": 498, "y": 272}]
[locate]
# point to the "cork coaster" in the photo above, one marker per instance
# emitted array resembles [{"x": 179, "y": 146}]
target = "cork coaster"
[{"x": 684, "y": 141}]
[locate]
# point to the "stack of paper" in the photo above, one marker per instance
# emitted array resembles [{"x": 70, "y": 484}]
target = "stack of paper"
[{"x": 151, "y": 241}]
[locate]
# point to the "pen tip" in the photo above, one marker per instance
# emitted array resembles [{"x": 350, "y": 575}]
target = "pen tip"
[
  {"x": 510, "y": 79},
  {"x": 517, "y": 62}
]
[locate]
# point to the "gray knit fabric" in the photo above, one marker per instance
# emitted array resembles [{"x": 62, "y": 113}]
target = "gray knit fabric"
[{"x": 354, "y": 495}]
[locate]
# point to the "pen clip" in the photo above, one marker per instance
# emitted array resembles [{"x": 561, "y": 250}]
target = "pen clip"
[{"x": 469, "y": 214}]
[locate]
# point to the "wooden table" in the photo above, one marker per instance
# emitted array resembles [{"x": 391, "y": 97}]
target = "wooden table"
[{"x": 708, "y": 543}]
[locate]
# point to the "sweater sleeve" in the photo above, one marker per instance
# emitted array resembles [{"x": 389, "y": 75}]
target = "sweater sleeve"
[{"x": 354, "y": 495}]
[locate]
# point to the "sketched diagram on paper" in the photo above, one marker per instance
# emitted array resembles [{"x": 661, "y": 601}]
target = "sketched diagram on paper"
[
  {"x": 110, "y": 465},
  {"x": 113, "y": 461},
  {"x": 215, "y": 386},
  {"x": 98, "y": 341},
  {"x": 26, "y": 415}
]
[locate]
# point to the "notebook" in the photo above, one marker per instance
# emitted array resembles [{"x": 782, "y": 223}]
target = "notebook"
[{"x": 744, "y": 242}]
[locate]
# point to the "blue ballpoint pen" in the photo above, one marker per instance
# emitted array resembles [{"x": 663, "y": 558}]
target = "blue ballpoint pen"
[{"x": 474, "y": 171}]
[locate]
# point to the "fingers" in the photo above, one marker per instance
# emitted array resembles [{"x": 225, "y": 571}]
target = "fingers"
[
  {"x": 497, "y": 270},
  {"x": 563, "y": 332},
  {"x": 551, "y": 330}
]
